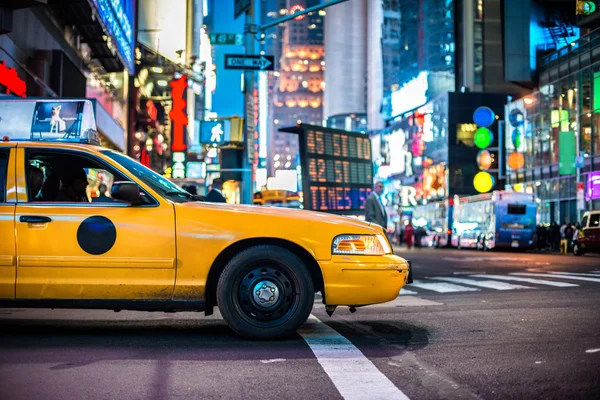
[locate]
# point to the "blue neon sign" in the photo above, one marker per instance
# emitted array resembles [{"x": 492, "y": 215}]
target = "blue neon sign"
[{"x": 117, "y": 16}]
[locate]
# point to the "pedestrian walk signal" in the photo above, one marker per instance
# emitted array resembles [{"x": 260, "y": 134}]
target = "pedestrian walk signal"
[{"x": 585, "y": 7}]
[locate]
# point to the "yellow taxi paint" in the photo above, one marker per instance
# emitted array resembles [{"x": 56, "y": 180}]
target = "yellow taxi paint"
[
  {"x": 204, "y": 230},
  {"x": 166, "y": 252},
  {"x": 351, "y": 280},
  {"x": 140, "y": 265},
  {"x": 51, "y": 263},
  {"x": 7, "y": 232}
]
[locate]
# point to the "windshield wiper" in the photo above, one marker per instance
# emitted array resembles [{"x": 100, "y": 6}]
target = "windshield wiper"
[{"x": 184, "y": 194}]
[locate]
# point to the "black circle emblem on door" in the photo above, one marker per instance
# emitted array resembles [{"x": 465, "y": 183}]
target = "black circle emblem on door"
[{"x": 96, "y": 235}]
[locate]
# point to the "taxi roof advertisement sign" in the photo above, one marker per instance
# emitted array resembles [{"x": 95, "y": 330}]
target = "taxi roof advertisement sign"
[{"x": 56, "y": 120}]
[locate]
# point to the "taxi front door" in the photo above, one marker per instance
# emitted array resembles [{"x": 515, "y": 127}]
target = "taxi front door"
[
  {"x": 93, "y": 251},
  {"x": 7, "y": 223}
]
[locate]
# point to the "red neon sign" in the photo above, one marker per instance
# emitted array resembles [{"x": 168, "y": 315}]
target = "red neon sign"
[
  {"x": 10, "y": 79},
  {"x": 297, "y": 8},
  {"x": 177, "y": 113},
  {"x": 151, "y": 110},
  {"x": 145, "y": 158}
]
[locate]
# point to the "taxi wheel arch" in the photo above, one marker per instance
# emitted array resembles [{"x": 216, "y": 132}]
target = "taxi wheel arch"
[
  {"x": 233, "y": 250},
  {"x": 265, "y": 292}
]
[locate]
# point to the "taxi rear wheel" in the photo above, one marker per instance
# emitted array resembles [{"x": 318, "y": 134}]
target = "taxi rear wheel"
[{"x": 265, "y": 292}]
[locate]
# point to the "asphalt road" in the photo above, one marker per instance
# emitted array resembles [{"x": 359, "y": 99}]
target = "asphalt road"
[{"x": 474, "y": 325}]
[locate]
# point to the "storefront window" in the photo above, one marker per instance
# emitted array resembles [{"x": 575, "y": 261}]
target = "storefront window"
[
  {"x": 595, "y": 104},
  {"x": 596, "y": 133},
  {"x": 586, "y": 91},
  {"x": 572, "y": 187},
  {"x": 563, "y": 187},
  {"x": 586, "y": 133}
]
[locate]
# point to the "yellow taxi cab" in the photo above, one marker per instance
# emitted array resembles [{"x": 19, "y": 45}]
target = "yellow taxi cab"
[{"x": 82, "y": 226}]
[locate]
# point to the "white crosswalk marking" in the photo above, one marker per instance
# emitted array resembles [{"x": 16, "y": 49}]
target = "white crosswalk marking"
[
  {"x": 528, "y": 280},
  {"x": 489, "y": 284},
  {"x": 577, "y": 278},
  {"x": 353, "y": 374},
  {"x": 407, "y": 292},
  {"x": 442, "y": 287},
  {"x": 572, "y": 273}
]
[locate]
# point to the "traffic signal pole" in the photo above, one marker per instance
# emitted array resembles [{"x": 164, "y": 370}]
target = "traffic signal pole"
[{"x": 250, "y": 31}]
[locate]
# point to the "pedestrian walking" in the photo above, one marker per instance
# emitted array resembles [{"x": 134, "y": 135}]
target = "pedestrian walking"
[
  {"x": 408, "y": 235},
  {"x": 216, "y": 193},
  {"x": 374, "y": 209},
  {"x": 555, "y": 236}
]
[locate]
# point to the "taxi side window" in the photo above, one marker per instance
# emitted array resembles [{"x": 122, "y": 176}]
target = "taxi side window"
[
  {"x": 3, "y": 173},
  {"x": 584, "y": 222},
  {"x": 68, "y": 177},
  {"x": 594, "y": 220}
]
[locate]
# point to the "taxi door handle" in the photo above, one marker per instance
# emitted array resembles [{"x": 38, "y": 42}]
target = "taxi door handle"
[{"x": 35, "y": 219}]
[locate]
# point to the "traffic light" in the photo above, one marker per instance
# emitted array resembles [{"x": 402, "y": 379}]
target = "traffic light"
[
  {"x": 484, "y": 117},
  {"x": 585, "y": 7}
]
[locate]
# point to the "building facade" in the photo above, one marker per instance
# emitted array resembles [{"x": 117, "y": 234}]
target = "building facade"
[
  {"x": 346, "y": 60},
  {"x": 558, "y": 131},
  {"x": 66, "y": 49},
  {"x": 299, "y": 92}
]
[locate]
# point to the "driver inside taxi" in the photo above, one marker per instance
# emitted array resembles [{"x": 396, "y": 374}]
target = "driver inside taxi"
[{"x": 74, "y": 185}]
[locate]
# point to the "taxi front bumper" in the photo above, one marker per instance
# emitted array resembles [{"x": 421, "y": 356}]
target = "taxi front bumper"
[{"x": 363, "y": 280}]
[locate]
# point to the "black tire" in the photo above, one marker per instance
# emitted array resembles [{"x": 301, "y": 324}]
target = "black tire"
[{"x": 266, "y": 268}]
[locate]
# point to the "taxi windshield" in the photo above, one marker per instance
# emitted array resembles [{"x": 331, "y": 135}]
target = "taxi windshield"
[{"x": 160, "y": 184}]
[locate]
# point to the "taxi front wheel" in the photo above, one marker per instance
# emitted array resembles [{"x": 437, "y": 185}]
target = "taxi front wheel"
[{"x": 265, "y": 292}]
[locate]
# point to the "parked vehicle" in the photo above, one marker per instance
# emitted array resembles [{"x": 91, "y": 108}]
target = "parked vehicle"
[
  {"x": 505, "y": 219},
  {"x": 468, "y": 239},
  {"x": 588, "y": 240}
]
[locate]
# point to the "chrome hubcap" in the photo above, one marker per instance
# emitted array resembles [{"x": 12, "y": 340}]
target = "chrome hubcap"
[{"x": 265, "y": 293}]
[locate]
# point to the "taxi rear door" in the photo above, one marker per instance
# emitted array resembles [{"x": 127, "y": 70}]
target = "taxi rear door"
[
  {"x": 91, "y": 251},
  {"x": 7, "y": 222}
]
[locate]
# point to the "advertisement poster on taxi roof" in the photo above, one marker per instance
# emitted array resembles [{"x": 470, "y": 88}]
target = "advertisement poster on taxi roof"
[{"x": 45, "y": 120}]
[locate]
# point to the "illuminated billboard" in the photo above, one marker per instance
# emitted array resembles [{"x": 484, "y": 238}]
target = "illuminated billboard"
[
  {"x": 337, "y": 169},
  {"x": 117, "y": 16}
]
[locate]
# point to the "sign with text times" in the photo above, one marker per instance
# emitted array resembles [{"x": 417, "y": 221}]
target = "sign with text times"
[{"x": 337, "y": 169}]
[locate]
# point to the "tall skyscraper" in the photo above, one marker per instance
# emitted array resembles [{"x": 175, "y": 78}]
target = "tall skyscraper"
[
  {"x": 346, "y": 59},
  {"x": 299, "y": 93}
]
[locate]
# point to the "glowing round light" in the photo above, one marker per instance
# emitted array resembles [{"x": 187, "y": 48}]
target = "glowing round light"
[
  {"x": 297, "y": 8},
  {"x": 515, "y": 160},
  {"x": 516, "y": 138},
  {"x": 483, "y": 138},
  {"x": 483, "y": 182},
  {"x": 484, "y": 116},
  {"x": 484, "y": 160},
  {"x": 516, "y": 118}
]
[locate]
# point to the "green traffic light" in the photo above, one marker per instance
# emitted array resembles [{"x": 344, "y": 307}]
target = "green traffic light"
[{"x": 483, "y": 138}]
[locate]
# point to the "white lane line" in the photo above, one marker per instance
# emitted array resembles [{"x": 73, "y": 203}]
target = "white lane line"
[
  {"x": 572, "y": 273},
  {"x": 577, "y": 278},
  {"x": 442, "y": 287},
  {"x": 407, "y": 292},
  {"x": 353, "y": 374},
  {"x": 273, "y": 360},
  {"x": 592, "y": 351},
  {"x": 485, "y": 284},
  {"x": 528, "y": 280}
]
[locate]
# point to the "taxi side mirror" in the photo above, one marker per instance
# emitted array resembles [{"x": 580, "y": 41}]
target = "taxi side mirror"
[{"x": 128, "y": 192}]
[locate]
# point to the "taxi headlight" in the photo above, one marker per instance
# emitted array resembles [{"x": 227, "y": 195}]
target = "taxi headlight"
[{"x": 368, "y": 245}]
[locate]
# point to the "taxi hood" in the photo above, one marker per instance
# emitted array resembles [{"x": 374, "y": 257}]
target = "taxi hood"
[
  {"x": 238, "y": 211},
  {"x": 218, "y": 225}
]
